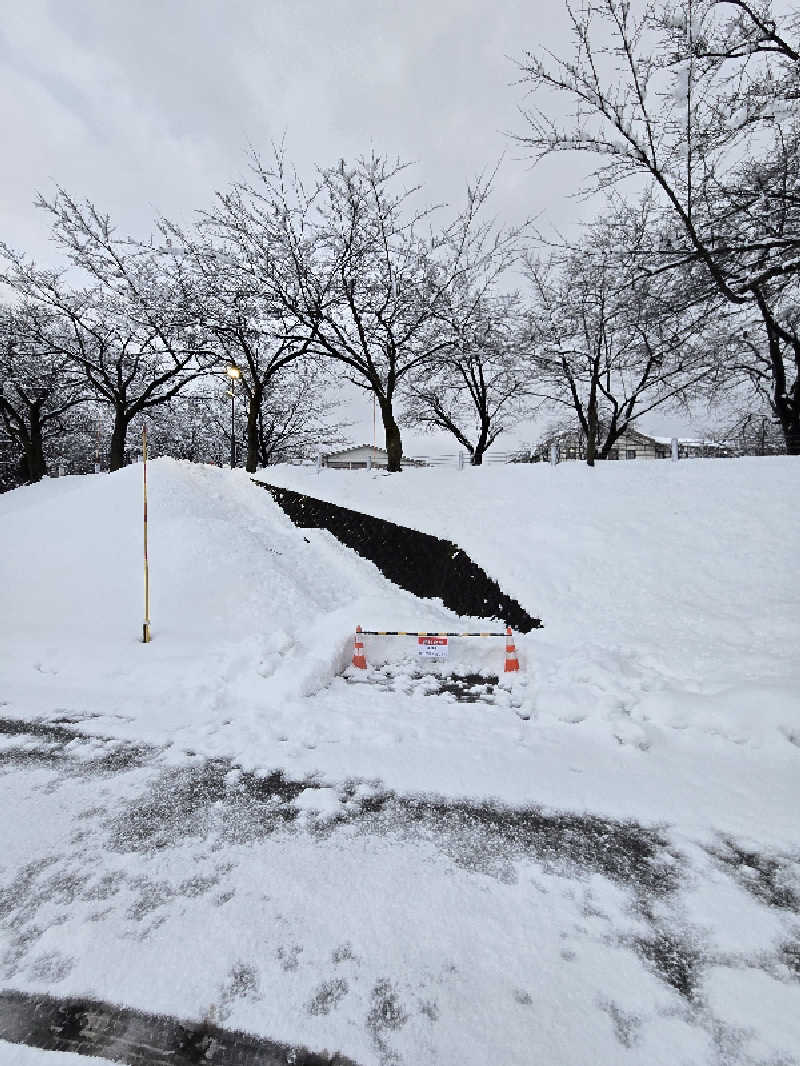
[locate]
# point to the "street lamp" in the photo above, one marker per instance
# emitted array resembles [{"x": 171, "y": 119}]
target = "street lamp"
[{"x": 234, "y": 373}]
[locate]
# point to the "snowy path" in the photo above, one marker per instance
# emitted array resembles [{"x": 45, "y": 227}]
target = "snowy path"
[{"x": 390, "y": 928}]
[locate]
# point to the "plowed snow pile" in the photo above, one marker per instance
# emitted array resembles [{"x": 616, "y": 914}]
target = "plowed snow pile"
[
  {"x": 248, "y": 613},
  {"x": 594, "y": 861}
]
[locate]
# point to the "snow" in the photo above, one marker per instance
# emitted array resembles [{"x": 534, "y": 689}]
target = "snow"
[
  {"x": 662, "y": 691},
  {"x": 765, "y": 1011},
  {"x": 669, "y": 593},
  {"x": 323, "y": 801},
  {"x": 698, "y": 442},
  {"x": 20, "y": 1055}
]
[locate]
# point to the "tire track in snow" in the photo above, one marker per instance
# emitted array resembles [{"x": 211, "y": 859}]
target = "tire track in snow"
[{"x": 91, "y": 1027}]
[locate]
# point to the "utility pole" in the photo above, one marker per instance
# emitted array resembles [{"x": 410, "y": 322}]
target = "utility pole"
[
  {"x": 689, "y": 79},
  {"x": 146, "y": 624}
]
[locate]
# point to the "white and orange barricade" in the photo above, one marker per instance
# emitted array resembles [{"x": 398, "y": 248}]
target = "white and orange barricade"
[{"x": 430, "y": 644}]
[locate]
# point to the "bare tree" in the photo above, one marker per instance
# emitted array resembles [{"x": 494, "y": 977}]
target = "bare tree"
[
  {"x": 193, "y": 425},
  {"x": 360, "y": 269},
  {"x": 478, "y": 389},
  {"x": 130, "y": 330},
  {"x": 39, "y": 385},
  {"x": 700, "y": 100},
  {"x": 297, "y": 419},
  {"x": 250, "y": 328},
  {"x": 608, "y": 346},
  {"x": 753, "y": 433}
]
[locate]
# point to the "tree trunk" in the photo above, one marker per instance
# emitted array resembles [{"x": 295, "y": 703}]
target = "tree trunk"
[
  {"x": 116, "y": 457},
  {"x": 792, "y": 435},
  {"x": 253, "y": 411},
  {"x": 27, "y": 433},
  {"x": 591, "y": 438},
  {"x": 34, "y": 449},
  {"x": 789, "y": 417},
  {"x": 394, "y": 444},
  {"x": 784, "y": 399},
  {"x": 480, "y": 447},
  {"x": 612, "y": 436},
  {"x": 262, "y": 444}
]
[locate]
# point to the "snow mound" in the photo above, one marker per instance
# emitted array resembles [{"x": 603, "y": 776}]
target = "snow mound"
[{"x": 247, "y": 612}]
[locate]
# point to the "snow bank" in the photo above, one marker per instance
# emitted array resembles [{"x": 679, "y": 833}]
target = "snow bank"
[{"x": 247, "y": 612}]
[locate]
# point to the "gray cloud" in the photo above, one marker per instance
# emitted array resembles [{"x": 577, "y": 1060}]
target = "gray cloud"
[
  {"x": 151, "y": 106},
  {"x": 148, "y": 107}
]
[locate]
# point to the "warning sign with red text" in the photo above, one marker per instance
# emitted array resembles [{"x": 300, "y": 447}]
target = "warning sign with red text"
[{"x": 432, "y": 647}]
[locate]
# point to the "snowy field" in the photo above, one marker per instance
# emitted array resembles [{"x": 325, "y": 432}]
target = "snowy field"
[{"x": 595, "y": 862}]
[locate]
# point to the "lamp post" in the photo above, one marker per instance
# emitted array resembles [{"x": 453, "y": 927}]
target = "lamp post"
[{"x": 234, "y": 373}]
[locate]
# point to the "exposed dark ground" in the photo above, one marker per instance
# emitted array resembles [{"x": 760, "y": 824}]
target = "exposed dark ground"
[
  {"x": 89, "y": 1027},
  {"x": 467, "y": 688},
  {"x": 46, "y": 743},
  {"x": 417, "y": 562}
]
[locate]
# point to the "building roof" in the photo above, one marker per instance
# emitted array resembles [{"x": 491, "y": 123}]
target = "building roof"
[
  {"x": 692, "y": 443},
  {"x": 636, "y": 434},
  {"x": 645, "y": 438},
  {"x": 630, "y": 433},
  {"x": 356, "y": 448}
]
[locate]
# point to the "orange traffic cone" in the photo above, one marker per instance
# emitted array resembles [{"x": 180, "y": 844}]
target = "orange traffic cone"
[
  {"x": 359, "y": 658},
  {"x": 512, "y": 662}
]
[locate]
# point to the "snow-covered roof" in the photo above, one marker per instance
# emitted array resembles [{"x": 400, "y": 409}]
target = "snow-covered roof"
[
  {"x": 357, "y": 448},
  {"x": 692, "y": 442}
]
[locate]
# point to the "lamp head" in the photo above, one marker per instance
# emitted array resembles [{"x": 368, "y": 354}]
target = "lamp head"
[{"x": 233, "y": 371}]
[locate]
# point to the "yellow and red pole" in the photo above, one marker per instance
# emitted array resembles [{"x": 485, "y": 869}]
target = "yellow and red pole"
[{"x": 146, "y": 625}]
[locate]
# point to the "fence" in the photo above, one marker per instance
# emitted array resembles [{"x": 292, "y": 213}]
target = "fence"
[
  {"x": 556, "y": 452},
  {"x": 461, "y": 459},
  {"x": 454, "y": 460},
  {"x": 433, "y": 645}
]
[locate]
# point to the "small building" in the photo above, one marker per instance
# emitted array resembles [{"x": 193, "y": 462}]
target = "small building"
[
  {"x": 359, "y": 457},
  {"x": 363, "y": 457},
  {"x": 694, "y": 449},
  {"x": 571, "y": 444}
]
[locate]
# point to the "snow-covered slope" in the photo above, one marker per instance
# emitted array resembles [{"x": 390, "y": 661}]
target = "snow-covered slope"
[
  {"x": 226, "y": 565},
  {"x": 670, "y": 596},
  {"x": 642, "y": 551},
  {"x": 246, "y": 610}
]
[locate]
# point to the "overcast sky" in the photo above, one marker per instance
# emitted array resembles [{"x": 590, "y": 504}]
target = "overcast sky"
[{"x": 147, "y": 107}]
